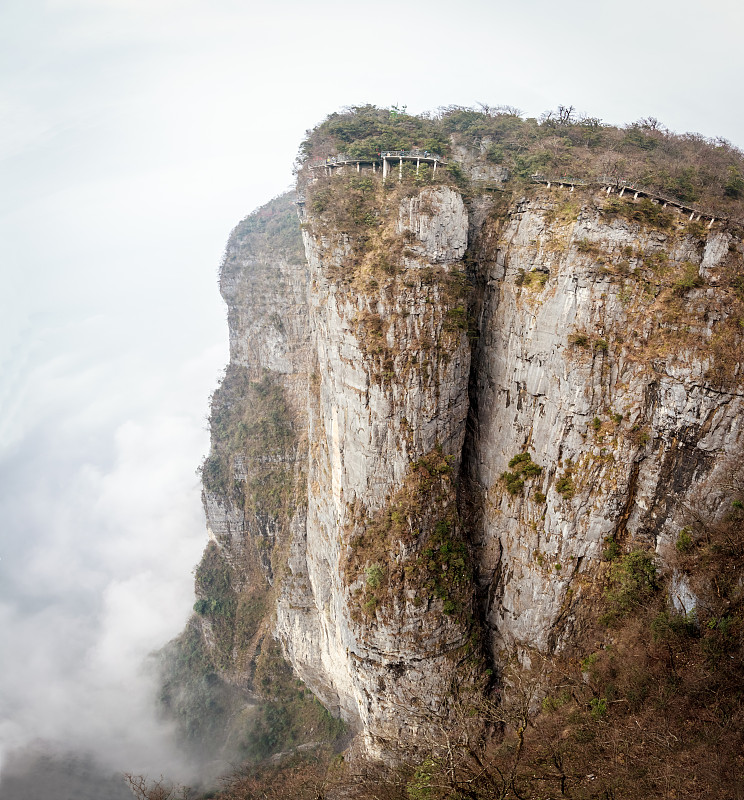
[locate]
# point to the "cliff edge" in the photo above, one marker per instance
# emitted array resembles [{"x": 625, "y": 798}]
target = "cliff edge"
[{"x": 451, "y": 407}]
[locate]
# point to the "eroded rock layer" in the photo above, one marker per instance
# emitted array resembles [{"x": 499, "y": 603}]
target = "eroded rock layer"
[{"x": 469, "y": 399}]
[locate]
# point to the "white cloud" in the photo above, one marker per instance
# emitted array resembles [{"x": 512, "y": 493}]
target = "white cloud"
[
  {"x": 98, "y": 546},
  {"x": 138, "y": 133}
]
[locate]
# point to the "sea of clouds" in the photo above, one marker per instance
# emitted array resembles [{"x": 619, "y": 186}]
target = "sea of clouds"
[{"x": 101, "y": 433}]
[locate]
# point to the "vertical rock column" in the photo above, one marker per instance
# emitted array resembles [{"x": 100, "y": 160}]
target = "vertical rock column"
[
  {"x": 389, "y": 387},
  {"x": 584, "y": 367}
]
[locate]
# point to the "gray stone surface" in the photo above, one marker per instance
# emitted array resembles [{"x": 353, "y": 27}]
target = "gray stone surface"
[
  {"x": 525, "y": 388},
  {"x": 360, "y": 450},
  {"x": 537, "y": 392}
]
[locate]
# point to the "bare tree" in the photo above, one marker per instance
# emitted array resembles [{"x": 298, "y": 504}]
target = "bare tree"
[
  {"x": 500, "y": 110},
  {"x": 564, "y": 115},
  {"x": 159, "y": 789}
]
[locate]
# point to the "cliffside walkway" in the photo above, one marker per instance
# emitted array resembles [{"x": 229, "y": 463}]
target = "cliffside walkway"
[
  {"x": 342, "y": 160},
  {"x": 611, "y": 185},
  {"x": 387, "y": 158},
  {"x": 383, "y": 159}
]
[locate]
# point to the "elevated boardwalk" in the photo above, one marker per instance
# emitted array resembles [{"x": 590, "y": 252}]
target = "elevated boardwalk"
[
  {"x": 419, "y": 156},
  {"x": 342, "y": 160},
  {"x": 610, "y": 185},
  {"x": 384, "y": 159},
  {"x": 387, "y": 160}
]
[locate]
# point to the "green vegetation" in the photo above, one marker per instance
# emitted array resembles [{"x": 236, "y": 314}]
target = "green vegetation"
[
  {"x": 213, "y": 585},
  {"x": 689, "y": 279},
  {"x": 364, "y": 131},
  {"x": 350, "y": 203},
  {"x": 644, "y": 211},
  {"x": 514, "y": 483},
  {"x": 290, "y": 714},
  {"x": 656, "y": 260},
  {"x": 564, "y": 212},
  {"x": 251, "y": 469},
  {"x": 684, "y": 540},
  {"x": 270, "y": 231},
  {"x": 561, "y": 143},
  {"x": 598, "y": 707},
  {"x": 641, "y": 435},
  {"x": 586, "y": 246},
  {"x": 193, "y": 694},
  {"x": 580, "y": 339},
  {"x": 612, "y": 549},
  {"x": 447, "y": 562},
  {"x": 633, "y": 580},
  {"x": 534, "y": 279},
  {"x": 522, "y": 468},
  {"x": 422, "y": 514},
  {"x": 565, "y": 485},
  {"x": 552, "y": 703},
  {"x": 456, "y": 319},
  {"x": 212, "y": 717},
  {"x": 375, "y": 574},
  {"x": 734, "y": 186},
  {"x": 250, "y": 419}
]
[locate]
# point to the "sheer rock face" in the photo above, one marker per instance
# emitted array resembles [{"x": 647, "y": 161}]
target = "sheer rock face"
[
  {"x": 365, "y": 430},
  {"x": 265, "y": 289},
  {"x": 536, "y": 390},
  {"x": 610, "y": 385}
]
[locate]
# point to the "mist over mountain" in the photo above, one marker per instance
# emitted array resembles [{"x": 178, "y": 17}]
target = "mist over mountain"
[
  {"x": 476, "y": 466},
  {"x": 34, "y": 773},
  {"x": 136, "y": 134}
]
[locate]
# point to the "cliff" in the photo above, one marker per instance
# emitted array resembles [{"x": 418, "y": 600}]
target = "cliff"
[
  {"x": 384, "y": 626},
  {"x": 445, "y": 418}
]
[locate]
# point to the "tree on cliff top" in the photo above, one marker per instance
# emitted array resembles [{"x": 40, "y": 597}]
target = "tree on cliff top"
[{"x": 562, "y": 142}]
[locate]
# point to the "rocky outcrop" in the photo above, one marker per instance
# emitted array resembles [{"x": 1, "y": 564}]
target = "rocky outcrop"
[
  {"x": 477, "y": 400},
  {"x": 390, "y": 387},
  {"x": 595, "y": 358}
]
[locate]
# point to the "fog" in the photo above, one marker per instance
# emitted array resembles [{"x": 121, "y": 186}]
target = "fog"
[
  {"x": 101, "y": 528},
  {"x": 135, "y": 134}
]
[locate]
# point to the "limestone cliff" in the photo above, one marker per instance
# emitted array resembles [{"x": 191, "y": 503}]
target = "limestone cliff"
[
  {"x": 437, "y": 421},
  {"x": 379, "y": 635},
  {"x": 610, "y": 351}
]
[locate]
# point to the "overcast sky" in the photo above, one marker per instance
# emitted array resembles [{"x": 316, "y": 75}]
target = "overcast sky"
[{"x": 135, "y": 134}]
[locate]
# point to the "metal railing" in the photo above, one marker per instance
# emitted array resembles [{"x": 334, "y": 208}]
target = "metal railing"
[
  {"x": 630, "y": 186},
  {"x": 342, "y": 158},
  {"x": 425, "y": 154}
]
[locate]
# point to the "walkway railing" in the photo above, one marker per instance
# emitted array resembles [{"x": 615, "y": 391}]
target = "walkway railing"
[
  {"x": 342, "y": 159},
  {"x": 419, "y": 154},
  {"x": 611, "y": 184}
]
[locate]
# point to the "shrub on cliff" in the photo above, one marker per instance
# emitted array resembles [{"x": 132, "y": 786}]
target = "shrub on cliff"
[
  {"x": 522, "y": 467},
  {"x": 688, "y": 166},
  {"x": 633, "y": 580},
  {"x": 422, "y": 515},
  {"x": 364, "y": 131},
  {"x": 249, "y": 419}
]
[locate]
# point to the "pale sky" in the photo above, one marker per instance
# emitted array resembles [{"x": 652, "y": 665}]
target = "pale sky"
[{"x": 135, "y": 135}]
